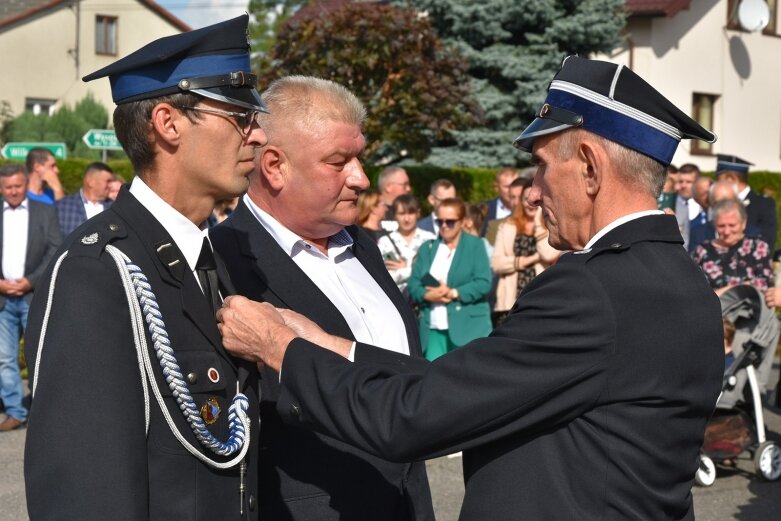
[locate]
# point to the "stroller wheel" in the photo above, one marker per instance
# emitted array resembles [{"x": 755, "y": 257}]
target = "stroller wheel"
[
  {"x": 706, "y": 472},
  {"x": 767, "y": 461}
]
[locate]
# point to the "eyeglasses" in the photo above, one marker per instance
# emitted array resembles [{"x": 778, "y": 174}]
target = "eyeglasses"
[
  {"x": 449, "y": 223},
  {"x": 244, "y": 120}
]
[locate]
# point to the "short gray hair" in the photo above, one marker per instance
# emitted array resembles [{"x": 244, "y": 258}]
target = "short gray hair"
[
  {"x": 385, "y": 176},
  {"x": 728, "y": 205},
  {"x": 11, "y": 169},
  {"x": 635, "y": 168},
  {"x": 309, "y": 102}
]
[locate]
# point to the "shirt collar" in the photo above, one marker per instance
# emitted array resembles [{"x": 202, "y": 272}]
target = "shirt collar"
[
  {"x": 288, "y": 240},
  {"x": 744, "y": 193},
  {"x": 22, "y": 206},
  {"x": 187, "y": 236},
  {"x": 618, "y": 222}
]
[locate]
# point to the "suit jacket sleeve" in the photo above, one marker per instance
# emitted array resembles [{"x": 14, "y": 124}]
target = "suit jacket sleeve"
[
  {"x": 545, "y": 365},
  {"x": 85, "y": 456},
  {"x": 52, "y": 239}
]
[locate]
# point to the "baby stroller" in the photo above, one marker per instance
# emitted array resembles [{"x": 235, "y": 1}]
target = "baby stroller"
[{"x": 738, "y": 423}]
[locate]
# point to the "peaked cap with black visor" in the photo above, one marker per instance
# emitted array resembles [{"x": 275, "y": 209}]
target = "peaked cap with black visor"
[
  {"x": 727, "y": 162},
  {"x": 612, "y": 101},
  {"x": 212, "y": 62}
]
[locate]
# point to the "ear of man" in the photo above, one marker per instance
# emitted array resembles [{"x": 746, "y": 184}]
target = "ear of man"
[
  {"x": 592, "y": 164},
  {"x": 274, "y": 166},
  {"x": 167, "y": 124}
]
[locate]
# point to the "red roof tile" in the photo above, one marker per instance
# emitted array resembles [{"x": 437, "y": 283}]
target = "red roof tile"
[{"x": 656, "y": 7}]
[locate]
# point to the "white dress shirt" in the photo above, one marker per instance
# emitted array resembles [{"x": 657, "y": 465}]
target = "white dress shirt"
[
  {"x": 90, "y": 208},
  {"x": 15, "y": 225},
  {"x": 440, "y": 267},
  {"x": 501, "y": 210},
  {"x": 187, "y": 236},
  {"x": 370, "y": 314}
]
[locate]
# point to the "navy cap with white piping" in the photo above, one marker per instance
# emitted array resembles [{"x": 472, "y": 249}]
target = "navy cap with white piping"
[
  {"x": 612, "y": 101},
  {"x": 212, "y": 62},
  {"x": 727, "y": 162}
]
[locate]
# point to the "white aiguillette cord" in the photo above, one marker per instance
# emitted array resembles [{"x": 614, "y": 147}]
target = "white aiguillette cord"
[{"x": 139, "y": 293}]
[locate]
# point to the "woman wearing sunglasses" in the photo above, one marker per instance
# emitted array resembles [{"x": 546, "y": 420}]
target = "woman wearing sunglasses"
[{"x": 451, "y": 278}]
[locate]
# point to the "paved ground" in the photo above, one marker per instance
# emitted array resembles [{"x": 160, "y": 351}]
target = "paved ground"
[{"x": 738, "y": 494}]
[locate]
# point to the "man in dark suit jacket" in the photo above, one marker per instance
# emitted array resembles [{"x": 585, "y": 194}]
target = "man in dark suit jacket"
[
  {"x": 92, "y": 199},
  {"x": 291, "y": 242},
  {"x": 29, "y": 236},
  {"x": 590, "y": 400},
  {"x": 761, "y": 210},
  {"x": 137, "y": 411}
]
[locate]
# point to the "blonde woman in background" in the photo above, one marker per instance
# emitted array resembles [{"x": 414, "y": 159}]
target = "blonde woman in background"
[{"x": 371, "y": 212}]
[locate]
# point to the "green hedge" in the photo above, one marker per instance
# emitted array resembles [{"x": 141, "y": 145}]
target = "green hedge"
[{"x": 472, "y": 184}]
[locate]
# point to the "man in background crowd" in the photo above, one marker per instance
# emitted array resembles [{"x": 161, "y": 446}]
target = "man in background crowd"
[
  {"x": 500, "y": 207},
  {"x": 29, "y": 236},
  {"x": 700, "y": 194},
  {"x": 89, "y": 201},
  {"x": 686, "y": 208},
  {"x": 440, "y": 190},
  {"x": 761, "y": 210},
  {"x": 44, "y": 176},
  {"x": 392, "y": 182}
]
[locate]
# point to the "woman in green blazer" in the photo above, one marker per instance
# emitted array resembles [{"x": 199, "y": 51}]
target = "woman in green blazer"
[{"x": 451, "y": 278}]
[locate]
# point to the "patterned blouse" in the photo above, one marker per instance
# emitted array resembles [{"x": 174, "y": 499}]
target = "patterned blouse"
[
  {"x": 748, "y": 261},
  {"x": 407, "y": 250}
]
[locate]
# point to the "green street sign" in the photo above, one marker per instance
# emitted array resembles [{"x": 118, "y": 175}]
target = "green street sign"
[
  {"x": 19, "y": 151},
  {"x": 101, "y": 139}
]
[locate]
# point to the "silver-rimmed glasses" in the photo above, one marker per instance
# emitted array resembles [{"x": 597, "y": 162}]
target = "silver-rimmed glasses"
[{"x": 244, "y": 120}]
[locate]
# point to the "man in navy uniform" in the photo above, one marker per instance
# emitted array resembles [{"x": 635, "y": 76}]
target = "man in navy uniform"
[
  {"x": 137, "y": 411},
  {"x": 761, "y": 210},
  {"x": 590, "y": 400}
]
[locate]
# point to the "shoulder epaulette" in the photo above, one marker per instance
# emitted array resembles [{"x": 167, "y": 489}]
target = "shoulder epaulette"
[{"x": 94, "y": 239}]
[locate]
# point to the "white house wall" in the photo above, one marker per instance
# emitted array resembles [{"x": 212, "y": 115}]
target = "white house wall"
[
  {"x": 694, "y": 52},
  {"x": 35, "y": 59}
]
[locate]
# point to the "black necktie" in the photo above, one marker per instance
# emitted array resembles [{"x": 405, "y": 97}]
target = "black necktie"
[{"x": 206, "y": 268}]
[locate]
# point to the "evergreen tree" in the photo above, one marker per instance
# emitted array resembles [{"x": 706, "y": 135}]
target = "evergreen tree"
[{"x": 514, "y": 47}]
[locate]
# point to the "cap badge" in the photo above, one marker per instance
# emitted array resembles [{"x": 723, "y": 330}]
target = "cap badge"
[
  {"x": 90, "y": 239},
  {"x": 213, "y": 374},
  {"x": 210, "y": 411}
]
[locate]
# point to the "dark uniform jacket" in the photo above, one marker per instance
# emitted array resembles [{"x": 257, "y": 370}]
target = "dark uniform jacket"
[
  {"x": 303, "y": 475},
  {"x": 87, "y": 455},
  {"x": 588, "y": 402},
  {"x": 761, "y": 212}
]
